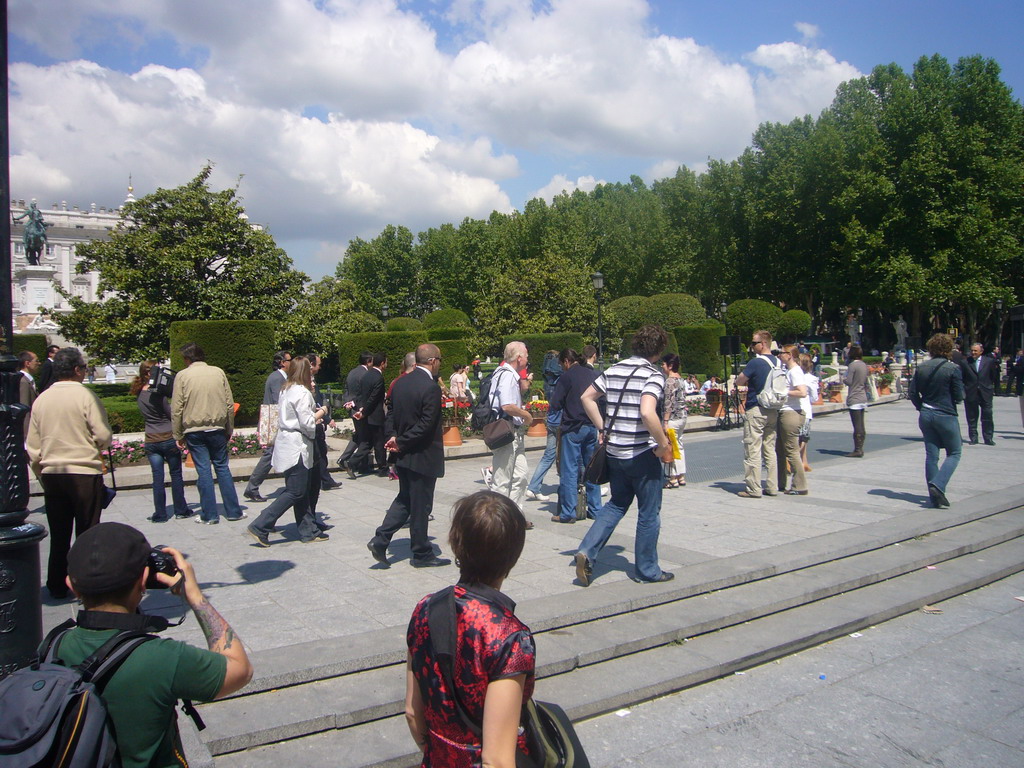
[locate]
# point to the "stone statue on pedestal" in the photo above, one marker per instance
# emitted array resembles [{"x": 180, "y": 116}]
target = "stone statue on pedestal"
[{"x": 900, "y": 326}]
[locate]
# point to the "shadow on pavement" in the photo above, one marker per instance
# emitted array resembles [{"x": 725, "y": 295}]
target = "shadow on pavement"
[
  {"x": 913, "y": 498},
  {"x": 262, "y": 570}
]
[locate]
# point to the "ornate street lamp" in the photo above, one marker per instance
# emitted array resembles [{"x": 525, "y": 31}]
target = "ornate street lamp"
[
  {"x": 384, "y": 313},
  {"x": 598, "y": 280}
]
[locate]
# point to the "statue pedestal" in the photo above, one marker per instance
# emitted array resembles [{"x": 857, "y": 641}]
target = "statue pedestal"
[
  {"x": 835, "y": 359},
  {"x": 901, "y": 358},
  {"x": 33, "y": 288}
]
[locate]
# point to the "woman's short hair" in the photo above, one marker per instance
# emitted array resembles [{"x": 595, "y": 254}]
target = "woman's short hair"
[
  {"x": 671, "y": 359},
  {"x": 855, "y": 353},
  {"x": 487, "y": 536},
  {"x": 940, "y": 345}
]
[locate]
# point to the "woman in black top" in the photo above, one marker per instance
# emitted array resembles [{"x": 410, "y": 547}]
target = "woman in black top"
[
  {"x": 160, "y": 447},
  {"x": 937, "y": 386}
]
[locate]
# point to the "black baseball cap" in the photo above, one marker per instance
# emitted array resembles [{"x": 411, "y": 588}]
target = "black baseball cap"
[{"x": 107, "y": 557}]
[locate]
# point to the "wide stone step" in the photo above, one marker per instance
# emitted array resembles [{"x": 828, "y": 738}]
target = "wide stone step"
[
  {"x": 361, "y": 696},
  {"x": 625, "y": 680}
]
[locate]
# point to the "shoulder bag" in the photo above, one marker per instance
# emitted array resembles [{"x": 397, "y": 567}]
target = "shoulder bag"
[{"x": 597, "y": 467}]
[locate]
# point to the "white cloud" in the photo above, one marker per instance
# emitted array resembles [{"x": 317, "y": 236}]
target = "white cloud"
[
  {"x": 559, "y": 184},
  {"x": 808, "y": 32},
  {"x": 795, "y": 80}
]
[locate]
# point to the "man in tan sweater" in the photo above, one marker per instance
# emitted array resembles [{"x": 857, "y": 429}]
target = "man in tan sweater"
[
  {"x": 67, "y": 430},
  {"x": 202, "y": 420}
]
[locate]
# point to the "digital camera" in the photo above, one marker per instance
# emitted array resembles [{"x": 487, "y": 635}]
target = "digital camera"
[{"x": 159, "y": 562}]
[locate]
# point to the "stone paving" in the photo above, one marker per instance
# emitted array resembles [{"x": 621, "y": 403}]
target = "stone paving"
[{"x": 295, "y": 592}]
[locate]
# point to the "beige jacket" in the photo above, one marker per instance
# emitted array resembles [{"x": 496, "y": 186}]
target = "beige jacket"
[
  {"x": 201, "y": 401},
  {"x": 67, "y": 430}
]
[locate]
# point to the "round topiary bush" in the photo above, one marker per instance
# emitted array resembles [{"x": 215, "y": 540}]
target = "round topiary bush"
[
  {"x": 626, "y": 313},
  {"x": 698, "y": 348},
  {"x": 399, "y": 324},
  {"x": 794, "y": 324},
  {"x": 672, "y": 310},
  {"x": 447, "y": 318},
  {"x": 745, "y": 316}
]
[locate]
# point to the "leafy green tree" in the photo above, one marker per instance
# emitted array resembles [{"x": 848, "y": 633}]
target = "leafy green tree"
[
  {"x": 626, "y": 313},
  {"x": 325, "y": 310},
  {"x": 672, "y": 310},
  {"x": 794, "y": 324},
  {"x": 745, "y": 316},
  {"x": 385, "y": 272},
  {"x": 179, "y": 254}
]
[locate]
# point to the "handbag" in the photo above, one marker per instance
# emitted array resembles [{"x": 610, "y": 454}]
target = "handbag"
[
  {"x": 270, "y": 421},
  {"x": 597, "y": 467},
  {"x": 550, "y": 735},
  {"x": 498, "y": 433},
  {"x": 108, "y": 492}
]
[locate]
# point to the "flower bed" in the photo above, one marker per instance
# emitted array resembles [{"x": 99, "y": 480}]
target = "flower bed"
[{"x": 124, "y": 453}]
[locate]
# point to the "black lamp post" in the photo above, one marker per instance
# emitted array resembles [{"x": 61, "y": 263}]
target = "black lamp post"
[
  {"x": 598, "y": 280},
  {"x": 384, "y": 313},
  {"x": 860, "y": 326},
  {"x": 999, "y": 325}
]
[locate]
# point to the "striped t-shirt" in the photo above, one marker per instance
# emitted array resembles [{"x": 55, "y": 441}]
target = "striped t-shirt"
[{"x": 632, "y": 378}]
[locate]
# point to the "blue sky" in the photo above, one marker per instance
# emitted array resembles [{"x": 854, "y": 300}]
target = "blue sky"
[{"x": 342, "y": 116}]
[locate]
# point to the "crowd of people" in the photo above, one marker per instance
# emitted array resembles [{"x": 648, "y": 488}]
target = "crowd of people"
[{"x": 634, "y": 414}]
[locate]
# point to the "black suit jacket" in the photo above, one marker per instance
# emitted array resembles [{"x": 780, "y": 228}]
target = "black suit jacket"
[
  {"x": 415, "y": 423},
  {"x": 979, "y": 384},
  {"x": 371, "y": 397},
  {"x": 45, "y": 377}
]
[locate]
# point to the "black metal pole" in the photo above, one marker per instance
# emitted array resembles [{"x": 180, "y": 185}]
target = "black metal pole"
[
  {"x": 600, "y": 335},
  {"x": 6, "y": 305}
]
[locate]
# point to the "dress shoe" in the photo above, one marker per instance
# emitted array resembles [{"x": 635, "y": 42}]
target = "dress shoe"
[
  {"x": 155, "y": 519},
  {"x": 242, "y": 516},
  {"x": 351, "y": 472},
  {"x": 584, "y": 571},
  {"x": 330, "y": 486},
  {"x": 990, "y": 442},
  {"x": 665, "y": 576},
  {"x": 342, "y": 464},
  {"x": 771, "y": 493},
  {"x": 854, "y": 455},
  {"x": 254, "y": 496},
  {"x": 380, "y": 554},
  {"x": 431, "y": 562},
  {"x": 261, "y": 539},
  {"x": 973, "y": 442},
  {"x": 317, "y": 539},
  {"x": 558, "y": 519}
]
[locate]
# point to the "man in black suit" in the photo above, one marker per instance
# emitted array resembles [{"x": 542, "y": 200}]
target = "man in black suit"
[
  {"x": 371, "y": 417},
  {"x": 981, "y": 373},
  {"x": 414, "y": 426},
  {"x": 46, "y": 370},
  {"x": 352, "y": 381}
]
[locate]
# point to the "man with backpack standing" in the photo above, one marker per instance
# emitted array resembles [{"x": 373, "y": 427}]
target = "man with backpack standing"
[
  {"x": 108, "y": 571},
  {"x": 761, "y": 420}
]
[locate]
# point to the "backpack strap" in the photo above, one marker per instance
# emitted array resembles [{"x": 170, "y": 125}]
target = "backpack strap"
[
  {"x": 46, "y": 648},
  {"x": 441, "y": 619}
]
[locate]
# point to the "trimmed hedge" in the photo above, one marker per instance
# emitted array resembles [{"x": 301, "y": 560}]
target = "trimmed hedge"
[
  {"x": 453, "y": 351},
  {"x": 394, "y": 344},
  {"x": 31, "y": 342},
  {"x": 104, "y": 390},
  {"x": 447, "y": 318},
  {"x": 745, "y": 316},
  {"x": 627, "y": 343},
  {"x": 445, "y": 334},
  {"x": 537, "y": 344},
  {"x": 698, "y": 347},
  {"x": 399, "y": 324},
  {"x": 123, "y": 414},
  {"x": 626, "y": 313},
  {"x": 244, "y": 349},
  {"x": 671, "y": 310},
  {"x": 793, "y": 324}
]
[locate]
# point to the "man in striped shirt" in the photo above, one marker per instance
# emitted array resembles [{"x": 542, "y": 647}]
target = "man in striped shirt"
[{"x": 637, "y": 447}]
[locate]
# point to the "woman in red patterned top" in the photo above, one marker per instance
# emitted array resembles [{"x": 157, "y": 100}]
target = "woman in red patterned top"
[{"x": 494, "y": 652}]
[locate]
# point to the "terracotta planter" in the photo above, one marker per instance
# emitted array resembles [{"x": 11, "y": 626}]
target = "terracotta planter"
[
  {"x": 819, "y": 401},
  {"x": 451, "y": 436},
  {"x": 836, "y": 398},
  {"x": 717, "y": 410},
  {"x": 538, "y": 428},
  {"x": 884, "y": 391}
]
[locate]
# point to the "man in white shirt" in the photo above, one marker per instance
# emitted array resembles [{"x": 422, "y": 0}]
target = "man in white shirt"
[
  {"x": 27, "y": 386},
  {"x": 509, "y": 462}
]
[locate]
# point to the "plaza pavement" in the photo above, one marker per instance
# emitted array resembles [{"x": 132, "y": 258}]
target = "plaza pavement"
[{"x": 293, "y": 592}]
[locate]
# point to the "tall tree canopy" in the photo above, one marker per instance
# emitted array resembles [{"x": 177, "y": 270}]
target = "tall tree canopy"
[{"x": 187, "y": 253}]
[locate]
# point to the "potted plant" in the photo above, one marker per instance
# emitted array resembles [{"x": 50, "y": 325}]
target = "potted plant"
[
  {"x": 885, "y": 381},
  {"x": 539, "y": 410},
  {"x": 453, "y": 417}
]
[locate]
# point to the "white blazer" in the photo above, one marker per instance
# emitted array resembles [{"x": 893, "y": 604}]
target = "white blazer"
[{"x": 297, "y": 429}]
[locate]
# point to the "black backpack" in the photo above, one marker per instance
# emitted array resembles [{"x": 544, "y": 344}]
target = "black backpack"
[
  {"x": 53, "y": 715},
  {"x": 483, "y": 411}
]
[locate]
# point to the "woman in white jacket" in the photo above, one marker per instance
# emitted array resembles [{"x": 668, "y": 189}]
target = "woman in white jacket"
[{"x": 293, "y": 455}]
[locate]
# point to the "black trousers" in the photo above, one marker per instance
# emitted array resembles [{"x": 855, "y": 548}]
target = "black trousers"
[
  {"x": 413, "y": 504},
  {"x": 323, "y": 477},
  {"x": 71, "y": 501},
  {"x": 983, "y": 405},
  {"x": 371, "y": 441}
]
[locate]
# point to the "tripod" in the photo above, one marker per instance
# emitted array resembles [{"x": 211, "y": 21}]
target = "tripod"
[{"x": 726, "y": 421}]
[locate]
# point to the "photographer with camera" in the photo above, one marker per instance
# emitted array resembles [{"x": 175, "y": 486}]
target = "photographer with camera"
[{"x": 110, "y": 567}]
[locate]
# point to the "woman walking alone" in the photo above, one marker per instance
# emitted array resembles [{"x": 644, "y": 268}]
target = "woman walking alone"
[
  {"x": 674, "y": 419},
  {"x": 856, "y": 379}
]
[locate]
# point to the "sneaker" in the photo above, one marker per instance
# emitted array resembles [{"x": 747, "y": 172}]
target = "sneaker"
[
  {"x": 242, "y": 516},
  {"x": 531, "y": 496},
  {"x": 199, "y": 520},
  {"x": 261, "y": 539},
  {"x": 184, "y": 517},
  {"x": 583, "y": 569},
  {"x": 665, "y": 576},
  {"x": 488, "y": 475}
]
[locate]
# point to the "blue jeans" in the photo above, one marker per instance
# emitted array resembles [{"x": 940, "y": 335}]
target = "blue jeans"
[
  {"x": 207, "y": 448},
  {"x": 296, "y": 497},
  {"x": 550, "y": 452},
  {"x": 577, "y": 448},
  {"x": 158, "y": 453},
  {"x": 940, "y": 430},
  {"x": 640, "y": 477}
]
